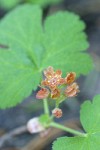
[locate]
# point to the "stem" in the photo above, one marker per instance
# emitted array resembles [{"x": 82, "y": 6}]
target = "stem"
[
  {"x": 46, "y": 108},
  {"x": 56, "y": 125}
]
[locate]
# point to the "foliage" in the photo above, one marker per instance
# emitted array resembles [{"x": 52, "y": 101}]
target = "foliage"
[
  {"x": 90, "y": 119},
  {"x": 59, "y": 42}
]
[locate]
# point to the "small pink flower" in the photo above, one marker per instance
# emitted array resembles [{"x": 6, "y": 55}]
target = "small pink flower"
[
  {"x": 55, "y": 93},
  {"x": 57, "y": 112},
  {"x": 70, "y": 78},
  {"x": 42, "y": 94},
  {"x": 34, "y": 126},
  {"x": 72, "y": 90},
  {"x": 49, "y": 72},
  {"x": 53, "y": 78}
]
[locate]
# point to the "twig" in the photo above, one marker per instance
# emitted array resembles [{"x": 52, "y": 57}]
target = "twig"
[{"x": 11, "y": 134}]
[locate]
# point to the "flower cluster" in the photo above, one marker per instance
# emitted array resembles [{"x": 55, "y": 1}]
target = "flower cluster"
[
  {"x": 54, "y": 86},
  {"x": 50, "y": 85}
]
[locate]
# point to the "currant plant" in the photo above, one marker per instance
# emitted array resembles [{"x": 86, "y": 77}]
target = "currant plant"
[
  {"x": 54, "y": 87},
  {"x": 58, "y": 89},
  {"x": 29, "y": 45}
]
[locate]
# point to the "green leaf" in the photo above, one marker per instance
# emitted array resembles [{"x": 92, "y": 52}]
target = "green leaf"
[
  {"x": 21, "y": 30},
  {"x": 90, "y": 119},
  {"x": 18, "y": 68},
  {"x": 65, "y": 42},
  {"x": 16, "y": 78},
  {"x": 58, "y": 42}
]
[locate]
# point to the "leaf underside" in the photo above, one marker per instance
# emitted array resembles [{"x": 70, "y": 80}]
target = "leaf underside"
[
  {"x": 33, "y": 45},
  {"x": 90, "y": 119}
]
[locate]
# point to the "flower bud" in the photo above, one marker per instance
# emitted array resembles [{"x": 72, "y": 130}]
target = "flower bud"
[
  {"x": 70, "y": 77},
  {"x": 34, "y": 126},
  {"x": 57, "y": 112},
  {"x": 55, "y": 93},
  {"x": 52, "y": 78},
  {"x": 42, "y": 94}
]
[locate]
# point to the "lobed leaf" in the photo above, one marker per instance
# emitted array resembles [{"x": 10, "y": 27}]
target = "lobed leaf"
[
  {"x": 58, "y": 42},
  {"x": 90, "y": 119},
  {"x": 64, "y": 37}
]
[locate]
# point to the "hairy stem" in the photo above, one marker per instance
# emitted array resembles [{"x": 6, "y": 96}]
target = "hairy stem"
[{"x": 59, "y": 126}]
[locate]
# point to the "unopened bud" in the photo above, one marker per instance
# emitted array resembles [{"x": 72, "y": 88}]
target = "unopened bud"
[
  {"x": 57, "y": 112},
  {"x": 70, "y": 77},
  {"x": 34, "y": 126}
]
